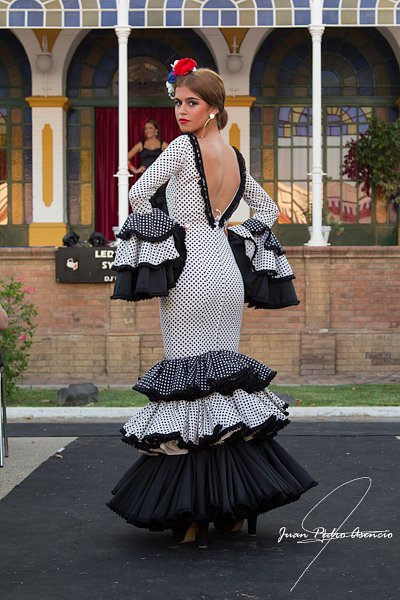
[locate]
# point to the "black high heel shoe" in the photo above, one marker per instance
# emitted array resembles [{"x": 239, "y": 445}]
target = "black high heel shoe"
[
  {"x": 229, "y": 526},
  {"x": 252, "y": 526},
  {"x": 184, "y": 534},
  {"x": 202, "y": 535},
  {"x": 195, "y": 532}
]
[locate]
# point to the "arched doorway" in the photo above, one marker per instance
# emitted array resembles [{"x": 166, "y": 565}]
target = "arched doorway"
[
  {"x": 360, "y": 77},
  {"x": 93, "y": 120}
]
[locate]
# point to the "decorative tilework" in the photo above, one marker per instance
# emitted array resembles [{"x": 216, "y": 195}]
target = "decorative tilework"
[
  {"x": 360, "y": 12},
  {"x": 190, "y": 13},
  {"x": 157, "y": 13}
]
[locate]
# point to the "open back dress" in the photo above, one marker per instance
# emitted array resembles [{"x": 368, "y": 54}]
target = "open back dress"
[{"x": 206, "y": 434}]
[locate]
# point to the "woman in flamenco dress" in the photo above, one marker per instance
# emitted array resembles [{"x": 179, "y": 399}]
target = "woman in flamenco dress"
[
  {"x": 206, "y": 434},
  {"x": 149, "y": 150}
]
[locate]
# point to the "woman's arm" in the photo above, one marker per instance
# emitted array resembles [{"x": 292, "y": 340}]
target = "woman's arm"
[
  {"x": 3, "y": 318},
  {"x": 164, "y": 146},
  {"x": 167, "y": 164},
  {"x": 257, "y": 198},
  {"x": 135, "y": 149},
  {"x": 132, "y": 152},
  {"x": 266, "y": 272},
  {"x": 151, "y": 254}
]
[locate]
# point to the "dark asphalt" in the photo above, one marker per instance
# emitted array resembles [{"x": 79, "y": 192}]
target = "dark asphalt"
[{"x": 58, "y": 541}]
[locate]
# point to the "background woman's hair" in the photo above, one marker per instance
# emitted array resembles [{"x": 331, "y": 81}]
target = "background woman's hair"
[
  {"x": 209, "y": 86},
  {"x": 155, "y": 124}
]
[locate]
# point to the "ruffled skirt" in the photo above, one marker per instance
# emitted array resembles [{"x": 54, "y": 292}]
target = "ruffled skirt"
[
  {"x": 223, "y": 482},
  {"x": 211, "y": 456}
]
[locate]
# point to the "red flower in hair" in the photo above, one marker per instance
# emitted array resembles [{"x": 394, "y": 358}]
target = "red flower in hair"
[{"x": 184, "y": 66}]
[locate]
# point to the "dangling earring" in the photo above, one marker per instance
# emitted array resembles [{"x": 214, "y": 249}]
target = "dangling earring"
[{"x": 211, "y": 116}]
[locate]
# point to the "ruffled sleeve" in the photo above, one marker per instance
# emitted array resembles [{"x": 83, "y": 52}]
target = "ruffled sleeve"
[
  {"x": 266, "y": 272},
  {"x": 151, "y": 254}
]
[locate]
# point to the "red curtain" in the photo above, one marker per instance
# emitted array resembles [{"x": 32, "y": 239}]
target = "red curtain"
[{"x": 107, "y": 156}]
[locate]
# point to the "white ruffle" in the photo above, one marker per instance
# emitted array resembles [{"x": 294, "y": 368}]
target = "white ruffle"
[
  {"x": 134, "y": 251},
  {"x": 200, "y": 418},
  {"x": 262, "y": 258}
]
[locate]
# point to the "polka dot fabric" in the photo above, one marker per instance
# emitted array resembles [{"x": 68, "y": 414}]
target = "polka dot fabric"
[
  {"x": 147, "y": 239},
  {"x": 135, "y": 251},
  {"x": 211, "y": 420},
  {"x": 196, "y": 376},
  {"x": 204, "y": 392},
  {"x": 153, "y": 227},
  {"x": 263, "y": 249}
]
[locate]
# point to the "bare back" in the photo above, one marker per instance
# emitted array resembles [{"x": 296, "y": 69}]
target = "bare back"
[{"x": 222, "y": 173}]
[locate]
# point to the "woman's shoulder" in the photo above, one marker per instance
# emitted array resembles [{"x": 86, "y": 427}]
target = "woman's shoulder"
[
  {"x": 180, "y": 144},
  {"x": 181, "y": 140}
]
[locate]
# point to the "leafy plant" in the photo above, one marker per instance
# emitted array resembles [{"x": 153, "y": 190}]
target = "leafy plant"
[
  {"x": 336, "y": 224},
  {"x": 16, "y": 340},
  {"x": 373, "y": 160}
]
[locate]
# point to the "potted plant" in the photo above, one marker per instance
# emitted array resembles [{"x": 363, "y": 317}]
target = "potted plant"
[
  {"x": 373, "y": 160},
  {"x": 329, "y": 223}
]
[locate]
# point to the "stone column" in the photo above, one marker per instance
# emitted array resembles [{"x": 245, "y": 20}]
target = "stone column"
[{"x": 48, "y": 170}]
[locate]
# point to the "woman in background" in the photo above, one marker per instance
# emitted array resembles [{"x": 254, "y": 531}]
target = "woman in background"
[{"x": 149, "y": 149}]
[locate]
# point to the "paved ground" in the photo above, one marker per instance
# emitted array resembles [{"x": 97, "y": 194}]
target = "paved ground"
[{"x": 59, "y": 542}]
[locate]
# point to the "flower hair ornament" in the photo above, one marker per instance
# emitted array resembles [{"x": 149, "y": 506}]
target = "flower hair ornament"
[{"x": 180, "y": 68}]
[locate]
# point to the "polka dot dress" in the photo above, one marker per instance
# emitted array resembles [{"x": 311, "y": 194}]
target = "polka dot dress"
[{"x": 204, "y": 392}]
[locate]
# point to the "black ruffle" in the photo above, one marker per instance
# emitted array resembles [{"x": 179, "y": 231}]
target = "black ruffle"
[
  {"x": 154, "y": 226},
  {"x": 261, "y": 289},
  {"x": 199, "y": 376},
  {"x": 230, "y": 481},
  {"x": 148, "y": 281},
  {"x": 240, "y": 430}
]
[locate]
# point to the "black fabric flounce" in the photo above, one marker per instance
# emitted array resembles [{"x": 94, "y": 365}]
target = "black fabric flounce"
[
  {"x": 231, "y": 481},
  {"x": 261, "y": 289},
  {"x": 146, "y": 281},
  {"x": 236, "y": 432},
  {"x": 199, "y": 376}
]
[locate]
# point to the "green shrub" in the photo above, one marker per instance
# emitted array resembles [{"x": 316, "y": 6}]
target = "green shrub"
[{"x": 16, "y": 340}]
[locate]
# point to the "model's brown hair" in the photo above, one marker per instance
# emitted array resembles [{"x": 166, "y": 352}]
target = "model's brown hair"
[{"x": 209, "y": 86}]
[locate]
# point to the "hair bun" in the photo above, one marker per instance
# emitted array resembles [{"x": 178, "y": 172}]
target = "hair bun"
[{"x": 222, "y": 119}]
